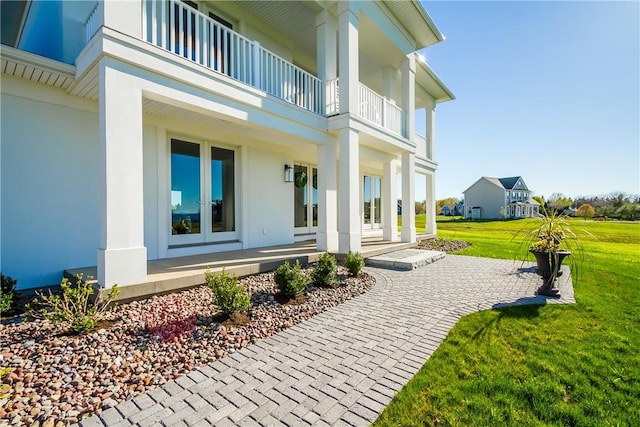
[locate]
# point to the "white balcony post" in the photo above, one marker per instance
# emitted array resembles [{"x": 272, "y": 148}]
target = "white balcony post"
[
  {"x": 390, "y": 83},
  {"x": 123, "y": 16},
  {"x": 390, "y": 201},
  {"x": 408, "y": 197},
  {"x": 431, "y": 131},
  {"x": 348, "y": 20},
  {"x": 409, "y": 95},
  {"x": 327, "y": 236},
  {"x": 430, "y": 207},
  {"x": 122, "y": 257},
  {"x": 350, "y": 223},
  {"x": 257, "y": 64},
  {"x": 326, "y": 36}
]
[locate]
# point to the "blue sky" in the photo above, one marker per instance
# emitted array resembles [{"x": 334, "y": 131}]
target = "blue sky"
[{"x": 546, "y": 90}]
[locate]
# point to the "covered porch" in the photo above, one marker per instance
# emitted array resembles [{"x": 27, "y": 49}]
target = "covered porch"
[{"x": 174, "y": 274}]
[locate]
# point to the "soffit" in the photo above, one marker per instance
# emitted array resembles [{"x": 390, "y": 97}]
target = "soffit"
[
  {"x": 416, "y": 21},
  {"x": 18, "y": 63}
]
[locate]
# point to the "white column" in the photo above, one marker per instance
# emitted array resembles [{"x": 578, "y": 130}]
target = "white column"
[
  {"x": 390, "y": 202},
  {"x": 431, "y": 203},
  {"x": 327, "y": 235},
  {"x": 122, "y": 16},
  {"x": 408, "y": 197},
  {"x": 431, "y": 131},
  {"x": 326, "y": 39},
  {"x": 409, "y": 95},
  {"x": 348, "y": 54},
  {"x": 122, "y": 257},
  {"x": 350, "y": 223},
  {"x": 390, "y": 83}
]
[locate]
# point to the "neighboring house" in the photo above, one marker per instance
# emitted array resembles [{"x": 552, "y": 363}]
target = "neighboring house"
[
  {"x": 150, "y": 129},
  {"x": 493, "y": 198},
  {"x": 449, "y": 210}
]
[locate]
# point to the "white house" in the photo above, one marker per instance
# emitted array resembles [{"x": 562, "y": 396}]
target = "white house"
[
  {"x": 148, "y": 129},
  {"x": 493, "y": 198}
]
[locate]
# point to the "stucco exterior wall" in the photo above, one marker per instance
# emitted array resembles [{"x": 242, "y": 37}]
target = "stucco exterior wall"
[
  {"x": 49, "y": 183},
  {"x": 269, "y": 199}
]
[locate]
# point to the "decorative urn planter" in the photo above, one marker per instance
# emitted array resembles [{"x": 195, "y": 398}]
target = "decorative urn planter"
[{"x": 549, "y": 264}]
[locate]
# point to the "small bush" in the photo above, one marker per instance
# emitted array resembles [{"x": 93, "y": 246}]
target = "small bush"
[
  {"x": 354, "y": 263},
  {"x": 291, "y": 280},
  {"x": 8, "y": 294},
  {"x": 74, "y": 306},
  {"x": 230, "y": 297},
  {"x": 324, "y": 273}
]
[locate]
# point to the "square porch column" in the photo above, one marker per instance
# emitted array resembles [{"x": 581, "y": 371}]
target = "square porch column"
[
  {"x": 348, "y": 52},
  {"x": 327, "y": 235},
  {"x": 390, "y": 199},
  {"x": 122, "y": 257},
  {"x": 408, "y": 197},
  {"x": 327, "y": 55},
  {"x": 430, "y": 112},
  {"x": 350, "y": 224},
  {"x": 430, "y": 207},
  {"x": 409, "y": 95}
]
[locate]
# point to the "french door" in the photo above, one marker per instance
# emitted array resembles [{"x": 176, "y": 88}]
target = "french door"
[
  {"x": 371, "y": 201},
  {"x": 202, "y": 193},
  {"x": 305, "y": 198}
]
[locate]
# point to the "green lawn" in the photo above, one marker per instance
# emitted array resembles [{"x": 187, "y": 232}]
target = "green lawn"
[{"x": 539, "y": 365}]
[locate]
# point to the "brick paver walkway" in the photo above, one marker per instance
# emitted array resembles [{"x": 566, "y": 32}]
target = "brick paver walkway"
[{"x": 341, "y": 367}]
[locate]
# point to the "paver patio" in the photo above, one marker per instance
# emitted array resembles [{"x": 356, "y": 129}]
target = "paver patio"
[{"x": 343, "y": 366}]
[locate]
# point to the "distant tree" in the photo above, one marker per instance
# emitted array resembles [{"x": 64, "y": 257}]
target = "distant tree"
[
  {"x": 586, "y": 211},
  {"x": 559, "y": 201},
  {"x": 539, "y": 199},
  {"x": 618, "y": 199},
  {"x": 447, "y": 201},
  {"x": 502, "y": 212},
  {"x": 628, "y": 211},
  {"x": 421, "y": 207}
]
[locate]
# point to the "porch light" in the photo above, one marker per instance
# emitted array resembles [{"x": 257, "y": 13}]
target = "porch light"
[{"x": 288, "y": 173}]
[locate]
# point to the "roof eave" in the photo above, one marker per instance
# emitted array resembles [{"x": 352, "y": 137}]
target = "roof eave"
[{"x": 447, "y": 95}]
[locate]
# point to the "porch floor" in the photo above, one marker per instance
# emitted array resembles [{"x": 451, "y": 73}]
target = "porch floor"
[{"x": 172, "y": 274}]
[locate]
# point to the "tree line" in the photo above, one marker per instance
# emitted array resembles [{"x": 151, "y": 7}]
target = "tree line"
[{"x": 616, "y": 205}]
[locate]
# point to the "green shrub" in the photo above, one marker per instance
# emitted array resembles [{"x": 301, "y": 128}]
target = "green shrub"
[
  {"x": 74, "y": 306},
  {"x": 291, "y": 280},
  {"x": 354, "y": 263},
  {"x": 324, "y": 273},
  {"x": 8, "y": 295},
  {"x": 230, "y": 297}
]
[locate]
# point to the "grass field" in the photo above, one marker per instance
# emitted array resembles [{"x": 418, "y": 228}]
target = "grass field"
[{"x": 539, "y": 365}]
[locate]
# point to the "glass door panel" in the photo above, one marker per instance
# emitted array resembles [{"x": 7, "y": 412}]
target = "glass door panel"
[
  {"x": 185, "y": 188},
  {"x": 300, "y": 196},
  {"x": 377, "y": 200},
  {"x": 366, "y": 196},
  {"x": 314, "y": 198},
  {"x": 222, "y": 190}
]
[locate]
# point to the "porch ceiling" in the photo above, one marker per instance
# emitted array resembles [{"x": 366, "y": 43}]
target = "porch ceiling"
[{"x": 222, "y": 127}]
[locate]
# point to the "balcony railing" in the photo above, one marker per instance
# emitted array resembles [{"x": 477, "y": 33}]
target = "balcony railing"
[
  {"x": 93, "y": 22},
  {"x": 372, "y": 107},
  {"x": 178, "y": 28}
]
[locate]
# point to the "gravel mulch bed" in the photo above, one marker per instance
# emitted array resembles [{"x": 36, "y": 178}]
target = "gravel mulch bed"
[
  {"x": 57, "y": 379},
  {"x": 444, "y": 245}
]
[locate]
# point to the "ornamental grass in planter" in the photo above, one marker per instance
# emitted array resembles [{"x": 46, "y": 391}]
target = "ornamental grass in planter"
[{"x": 550, "y": 239}]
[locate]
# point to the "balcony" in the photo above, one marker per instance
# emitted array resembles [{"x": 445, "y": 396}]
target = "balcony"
[
  {"x": 186, "y": 32},
  {"x": 372, "y": 107},
  {"x": 178, "y": 28}
]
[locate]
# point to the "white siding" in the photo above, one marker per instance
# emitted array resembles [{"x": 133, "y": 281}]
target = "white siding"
[{"x": 486, "y": 195}]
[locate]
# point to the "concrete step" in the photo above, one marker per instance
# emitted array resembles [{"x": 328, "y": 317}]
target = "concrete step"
[{"x": 406, "y": 259}]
